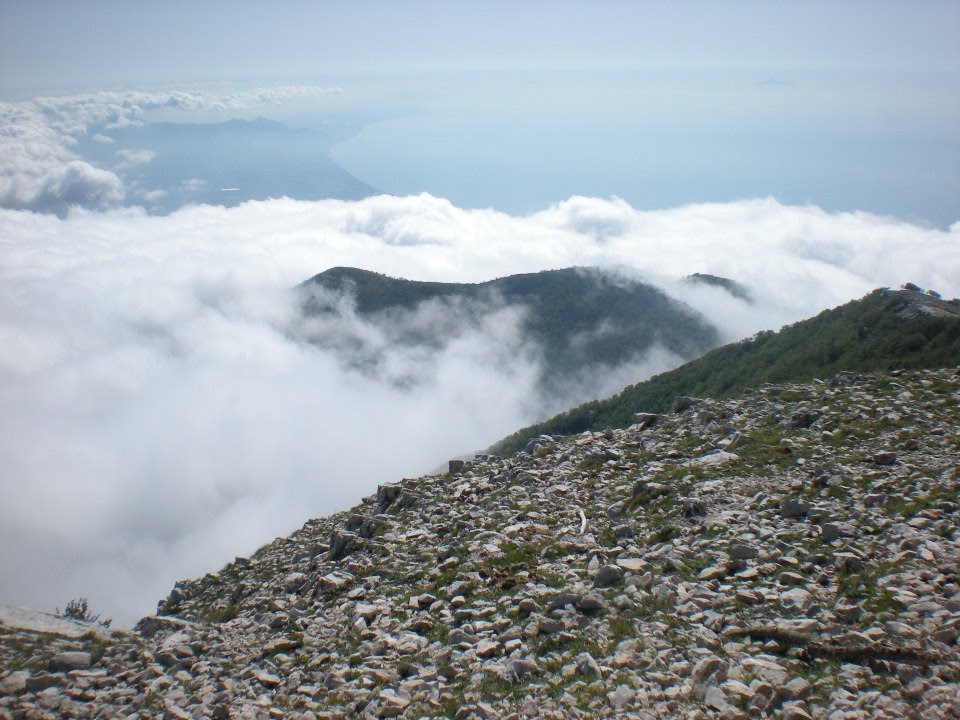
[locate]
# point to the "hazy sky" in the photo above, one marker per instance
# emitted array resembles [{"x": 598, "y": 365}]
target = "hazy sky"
[
  {"x": 845, "y": 105},
  {"x": 62, "y": 45}
]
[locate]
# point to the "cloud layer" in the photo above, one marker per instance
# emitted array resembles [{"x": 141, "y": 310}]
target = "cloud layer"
[
  {"x": 160, "y": 413},
  {"x": 39, "y": 166}
]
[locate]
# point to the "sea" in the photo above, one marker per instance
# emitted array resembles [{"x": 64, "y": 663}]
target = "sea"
[{"x": 521, "y": 143}]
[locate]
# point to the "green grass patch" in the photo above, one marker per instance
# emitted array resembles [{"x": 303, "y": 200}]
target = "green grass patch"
[{"x": 219, "y": 614}]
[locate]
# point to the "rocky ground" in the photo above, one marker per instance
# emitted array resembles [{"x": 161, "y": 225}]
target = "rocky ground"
[{"x": 791, "y": 553}]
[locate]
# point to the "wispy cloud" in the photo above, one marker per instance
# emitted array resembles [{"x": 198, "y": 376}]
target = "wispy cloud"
[{"x": 132, "y": 157}]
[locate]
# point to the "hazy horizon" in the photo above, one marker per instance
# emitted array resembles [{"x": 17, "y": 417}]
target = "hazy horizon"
[
  {"x": 526, "y": 142},
  {"x": 161, "y": 193}
]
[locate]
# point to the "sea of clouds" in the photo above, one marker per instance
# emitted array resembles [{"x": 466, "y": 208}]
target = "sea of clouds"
[
  {"x": 40, "y": 167},
  {"x": 161, "y": 412}
]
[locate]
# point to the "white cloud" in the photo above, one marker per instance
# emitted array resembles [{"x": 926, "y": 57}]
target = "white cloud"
[
  {"x": 132, "y": 157},
  {"x": 79, "y": 183},
  {"x": 159, "y": 415},
  {"x": 38, "y": 137},
  {"x": 154, "y": 195},
  {"x": 193, "y": 185}
]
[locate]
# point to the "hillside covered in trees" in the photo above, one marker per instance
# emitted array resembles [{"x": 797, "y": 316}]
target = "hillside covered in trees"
[
  {"x": 885, "y": 330},
  {"x": 573, "y": 321}
]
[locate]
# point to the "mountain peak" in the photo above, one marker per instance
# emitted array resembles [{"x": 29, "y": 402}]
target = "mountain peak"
[
  {"x": 909, "y": 301},
  {"x": 736, "y": 289}
]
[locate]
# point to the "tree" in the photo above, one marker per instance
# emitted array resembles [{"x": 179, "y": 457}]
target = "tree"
[{"x": 79, "y": 609}]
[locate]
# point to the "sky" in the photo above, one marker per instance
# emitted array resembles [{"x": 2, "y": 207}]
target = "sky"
[
  {"x": 100, "y": 44},
  {"x": 847, "y": 106},
  {"x": 160, "y": 411}
]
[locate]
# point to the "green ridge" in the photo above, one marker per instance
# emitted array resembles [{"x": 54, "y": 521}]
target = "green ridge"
[
  {"x": 578, "y": 317},
  {"x": 885, "y": 330}
]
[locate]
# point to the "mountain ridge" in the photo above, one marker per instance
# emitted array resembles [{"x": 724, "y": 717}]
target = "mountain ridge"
[
  {"x": 574, "y": 321},
  {"x": 886, "y": 329}
]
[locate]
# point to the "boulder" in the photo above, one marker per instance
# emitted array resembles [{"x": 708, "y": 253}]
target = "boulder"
[
  {"x": 362, "y": 525},
  {"x": 643, "y": 420},
  {"x": 740, "y": 551},
  {"x": 709, "y": 667},
  {"x": 794, "y": 507},
  {"x": 621, "y": 696},
  {"x": 386, "y": 494},
  {"x": 14, "y": 683},
  {"x": 67, "y": 661},
  {"x": 562, "y": 600},
  {"x": 293, "y": 582},
  {"x": 590, "y": 602},
  {"x": 692, "y": 507},
  {"x": 885, "y": 458},
  {"x": 683, "y": 403},
  {"x": 829, "y": 532},
  {"x": 587, "y": 665},
  {"x": 42, "y": 681},
  {"x": 803, "y": 419},
  {"x": 608, "y": 575},
  {"x": 342, "y": 544}
]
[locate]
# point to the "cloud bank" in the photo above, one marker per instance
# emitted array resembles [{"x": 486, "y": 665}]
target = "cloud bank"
[
  {"x": 39, "y": 166},
  {"x": 161, "y": 414}
]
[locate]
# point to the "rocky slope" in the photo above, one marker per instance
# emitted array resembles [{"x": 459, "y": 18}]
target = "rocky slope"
[{"x": 790, "y": 553}]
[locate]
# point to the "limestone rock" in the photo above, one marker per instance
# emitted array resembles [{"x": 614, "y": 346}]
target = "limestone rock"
[
  {"x": 608, "y": 575},
  {"x": 67, "y": 661},
  {"x": 793, "y": 507},
  {"x": 740, "y": 551},
  {"x": 603, "y": 566}
]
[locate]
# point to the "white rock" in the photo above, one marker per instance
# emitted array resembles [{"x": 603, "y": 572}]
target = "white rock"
[
  {"x": 43, "y": 622},
  {"x": 796, "y": 597},
  {"x": 719, "y": 457},
  {"x": 632, "y": 564},
  {"x": 621, "y": 696}
]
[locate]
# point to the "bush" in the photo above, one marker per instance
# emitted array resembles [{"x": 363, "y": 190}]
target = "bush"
[{"x": 79, "y": 609}]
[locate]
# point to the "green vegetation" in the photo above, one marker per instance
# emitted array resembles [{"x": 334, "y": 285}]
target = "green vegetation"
[
  {"x": 219, "y": 614},
  {"x": 578, "y": 317},
  {"x": 515, "y": 554},
  {"x": 861, "y": 587},
  {"x": 908, "y": 507},
  {"x": 882, "y": 331},
  {"x": 568, "y": 644},
  {"x": 29, "y": 652},
  {"x": 79, "y": 609},
  {"x": 95, "y": 645},
  {"x": 763, "y": 449}
]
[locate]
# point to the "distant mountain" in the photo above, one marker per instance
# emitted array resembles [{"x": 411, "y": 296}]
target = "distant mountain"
[
  {"x": 225, "y": 163},
  {"x": 885, "y": 330},
  {"x": 574, "y": 319},
  {"x": 731, "y": 286}
]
